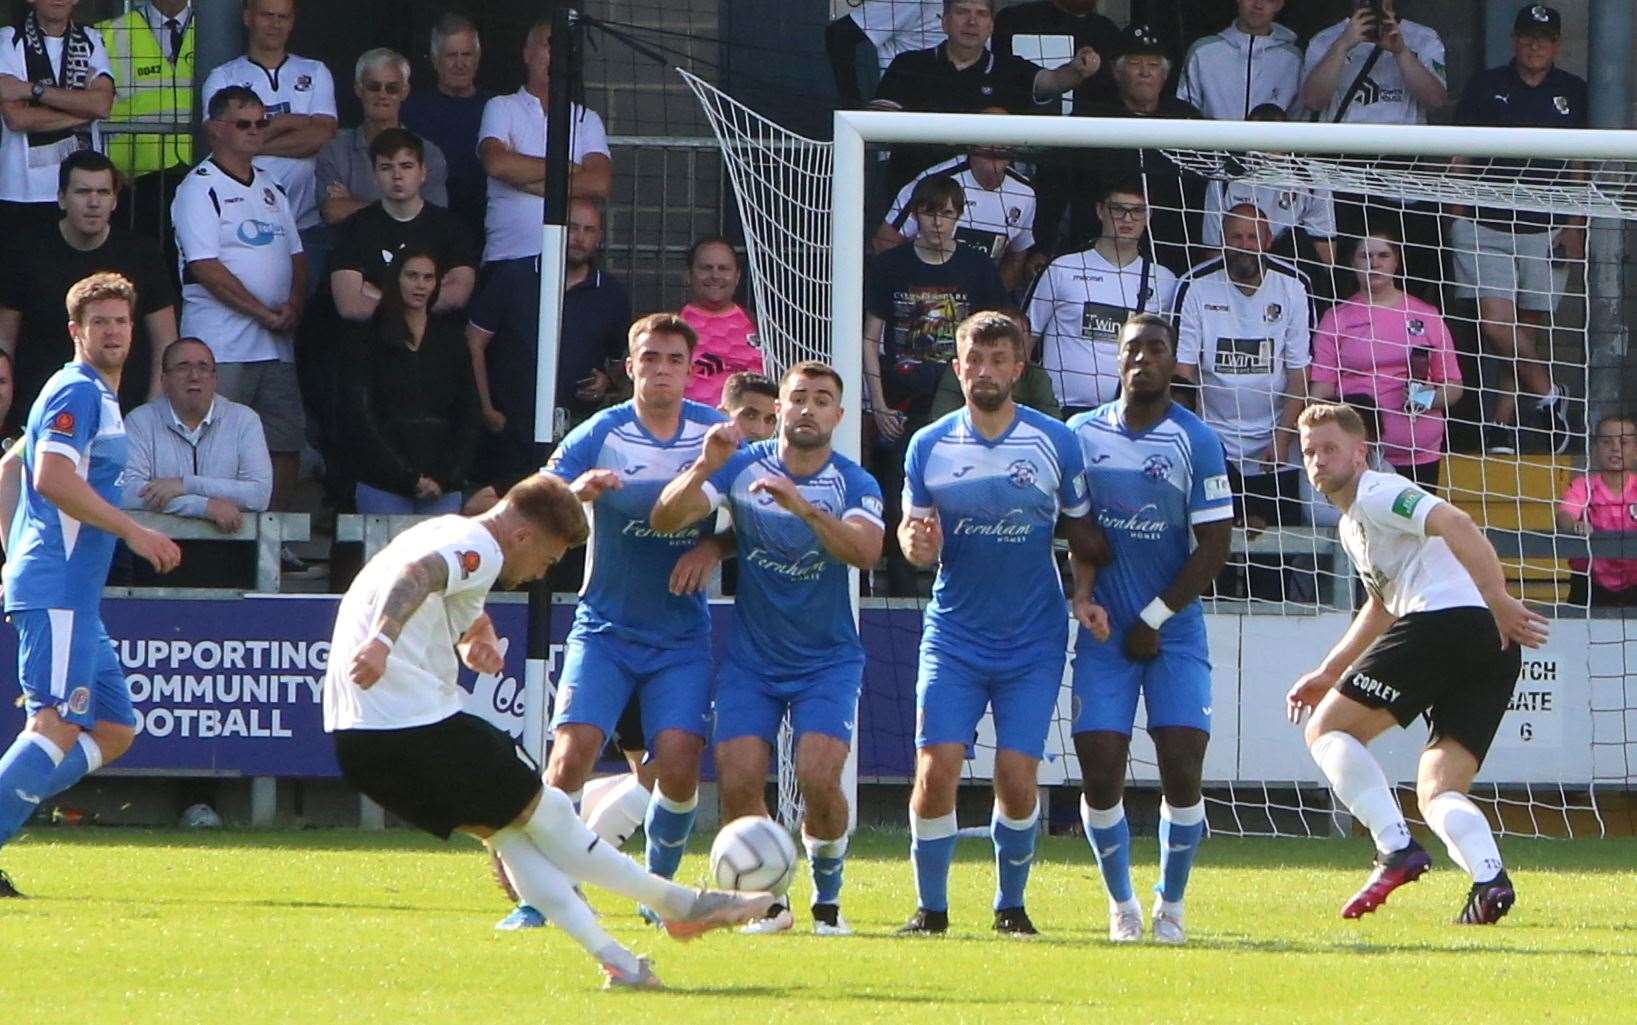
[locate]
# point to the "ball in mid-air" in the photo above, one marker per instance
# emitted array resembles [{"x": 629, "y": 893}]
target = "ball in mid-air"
[{"x": 753, "y": 853}]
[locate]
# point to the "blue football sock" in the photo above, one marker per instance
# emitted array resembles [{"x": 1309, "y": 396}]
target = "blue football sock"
[
  {"x": 1014, "y": 854},
  {"x": 1109, "y": 835},
  {"x": 932, "y": 851},
  {"x": 667, "y": 827},
  {"x": 84, "y": 758},
  {"x": 824, "y": 859},
  {"x": 25, "y": 769},
  {"x": 1181, "y": 830}
]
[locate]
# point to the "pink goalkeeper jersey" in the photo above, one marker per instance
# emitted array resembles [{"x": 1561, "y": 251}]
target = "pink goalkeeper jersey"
[
  {"x": 727, "y": 345},
  {"x": 1367, "y": 349},
  {"x": 1589, "y": 499}
]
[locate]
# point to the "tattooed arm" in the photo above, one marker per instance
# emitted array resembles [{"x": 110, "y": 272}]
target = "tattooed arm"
[{"x": 418, "y": 580}]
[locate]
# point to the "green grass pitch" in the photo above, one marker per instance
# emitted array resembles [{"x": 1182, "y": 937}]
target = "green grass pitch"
[{"x": 127, "y": 926}]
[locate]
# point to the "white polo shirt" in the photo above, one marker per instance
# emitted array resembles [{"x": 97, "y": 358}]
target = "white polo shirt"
[
  {"x": 29, "y": 174},
  {"x": 248, "y": 226},
  {"x": 419, "y": 686},
  {"x": 1077, "y": 306},
  {"x": 1242, "y": 346},
  {"x": 995, "y": 222},
  {"x": 511, "y": 228},
  {"x": 297, "y": 86}
]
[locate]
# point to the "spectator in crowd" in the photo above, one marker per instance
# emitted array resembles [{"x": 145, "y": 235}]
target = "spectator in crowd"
[
  {"x": 1141, "y": 67},
  {"x": 192, "y": 452},
  {"x": 411, "y": 401},
  {"x": 914, "y": 298},
  {"x": 890, "y": 27},
  {"x": 449, "y": 114},
  {"x": 501, "y": 337},
  {"x": 512, "y": 145},
  {"x": 1393, "y": 351},
  {"x": 1503, "y": 257},
  {"x": 245, "y": 276},
  {"x": 1303, "y": 219},
  {"x": 1076, "y": 23},
  {"x": 1375, "y": 67},
  {"x": 38, "y": 269},
  {"x": 1604, "y": 500},
  {"x": 1244, "y": 326},
  {"x": 369, "y": 242},
  {"x": 999, "y": 217},
  {"x": 55, "y": 85},
  {"x": 150, "y": 50},
  {"x": 298, "y": 97},
  {"x": 1081, "y": 301},
  {"x": 727, "y": 336},
  {"x": 1033, "y": 387},
  {"x": 962, "y": 75},
  {"x": 1253, "y": 61},
  {"x": 346, "y": 169}
]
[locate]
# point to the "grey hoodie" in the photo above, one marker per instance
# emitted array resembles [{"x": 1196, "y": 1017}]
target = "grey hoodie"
[{"x": 1231, "y": 73}]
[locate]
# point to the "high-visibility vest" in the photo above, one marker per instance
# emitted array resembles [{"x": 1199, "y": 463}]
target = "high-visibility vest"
[{"x": 147, "y": 87}]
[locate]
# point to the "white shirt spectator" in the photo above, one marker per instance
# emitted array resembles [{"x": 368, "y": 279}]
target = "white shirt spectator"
[
  {"x": 896, "y": 26},
  {"x": 1382, "y": 98},
  {"x": 1312, "y": 210},
  {"x": 1230, "y": 74},
  {"x": 225, "y": 457},
  {"x": 512, "y": 225},
  {"x": 249, "y": 228},
  {"x": 1242, "y": 345},
  {"x": 28, "y": 174},
  {"x": 996, "y": 221},
  {"x": 419, "y": 685},
  {"x": 297, "y": 86},
  {"x": 1385, "y": 534},
  {"x": 1077, "y": 306}
]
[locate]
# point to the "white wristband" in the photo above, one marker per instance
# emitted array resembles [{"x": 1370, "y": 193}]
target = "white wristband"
[
  {"x": 1155, "y": 613},
  {"x": 383, "y": 638}
]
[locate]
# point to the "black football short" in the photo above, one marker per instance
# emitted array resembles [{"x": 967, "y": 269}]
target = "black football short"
[
  {"x": 1447, "y": 664},
  {"x": 628, "y": 731},
  {"x": 459, "y": 771}
]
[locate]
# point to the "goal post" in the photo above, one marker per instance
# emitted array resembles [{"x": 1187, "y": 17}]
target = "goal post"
[{"x": 804, "y": 204}]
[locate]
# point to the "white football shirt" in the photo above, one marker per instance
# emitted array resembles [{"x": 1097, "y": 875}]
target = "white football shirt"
[
  {"x": 1382, "y": 98},
  {"x": 1385, "y": 534},
  {"x": 297, "y": 86},
  {"x": 1312, "y": 210},
  {"x": 897, "y": 26},
  {"x": 1077, "y": 306},
  {"x": 248, "y": 226},
  {"x": 419, "y": 686},
  {"x": 995, "y": 222},
  {"x": 1242, "y": 345},
  {"x": 28, "y": 174},
  {"x": 512, "y": 224}
]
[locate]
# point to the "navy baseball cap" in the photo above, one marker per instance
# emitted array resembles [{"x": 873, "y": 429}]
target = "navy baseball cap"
[
  {"x": 1538, "y": 20},
  {"x": 1142, "y": 40}
]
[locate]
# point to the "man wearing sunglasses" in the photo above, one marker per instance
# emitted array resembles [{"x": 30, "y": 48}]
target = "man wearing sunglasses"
[
  {"x": 244, "y": 275},
  {"x": 346, "y": 171}
]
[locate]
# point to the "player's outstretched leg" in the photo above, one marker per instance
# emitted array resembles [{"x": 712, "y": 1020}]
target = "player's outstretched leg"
[
  {"x": 1359, "y": 783},
  {"x": 524, "y": 915},
  {"x": 1446, "y": 772}
]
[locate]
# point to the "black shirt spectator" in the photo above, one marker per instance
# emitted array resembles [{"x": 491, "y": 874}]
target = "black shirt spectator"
[
  {"x": 372, "y": 240},
  {"x": 451, "y": 113},
  {"x": 1076, "y": 18},
  {"x": 1501, "y": 98}
]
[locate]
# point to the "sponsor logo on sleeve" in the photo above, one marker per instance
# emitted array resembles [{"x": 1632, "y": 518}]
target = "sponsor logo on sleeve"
[
  {"x": 62, "y": 423},
  {"x": 1217, "y": 489},
  {"x": 1404, "y": 505},
  {"x": 469, "y": 562}
]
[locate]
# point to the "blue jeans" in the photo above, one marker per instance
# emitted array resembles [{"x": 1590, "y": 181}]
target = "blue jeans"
[{"x": 375, "y": 502}]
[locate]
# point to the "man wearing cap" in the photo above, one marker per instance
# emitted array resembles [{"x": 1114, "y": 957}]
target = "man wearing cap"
[
  {"x": 1142, "y": 66},
  {"x": 1503, "y": 258}
]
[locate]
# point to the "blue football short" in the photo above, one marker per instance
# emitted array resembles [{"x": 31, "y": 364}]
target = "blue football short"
[
  {"x": 66, "y": 661},
  {"x": 1175, "y": 685},
  {"x": 751, "y": 702},
  {"x": 953, "y": 688},
  {"x": 601, "y": 672}
]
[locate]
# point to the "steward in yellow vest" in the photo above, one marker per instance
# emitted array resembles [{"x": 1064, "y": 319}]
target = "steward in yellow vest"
[{"x": 148, "y": 86}]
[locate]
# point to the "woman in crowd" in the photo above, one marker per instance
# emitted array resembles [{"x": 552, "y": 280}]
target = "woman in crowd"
[
  {"x": 1389, "y": 348},
  {"x": 411, "y": 405}
]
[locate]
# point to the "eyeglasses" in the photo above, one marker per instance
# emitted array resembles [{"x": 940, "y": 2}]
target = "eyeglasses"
[
  {"x": 391, "y": 88},
  {"x": 186, "y": 369},
  {"x": 244, "y": 124},
  {"x": 1122, "y": 212}
]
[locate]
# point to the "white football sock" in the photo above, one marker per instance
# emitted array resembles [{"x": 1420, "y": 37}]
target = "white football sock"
[
  {"x": 1357, "y": 779},
  {"x": 549, "y": 891},
  {"x": 572, "y": 847},
  {"x": 1466, "y": 833},
  {"x": 615, "y": 811}
]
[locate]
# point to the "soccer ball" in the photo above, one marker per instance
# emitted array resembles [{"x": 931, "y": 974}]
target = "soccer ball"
[
  {"x": 201, "y": 816},
  {"x": 753, "y": 853}
]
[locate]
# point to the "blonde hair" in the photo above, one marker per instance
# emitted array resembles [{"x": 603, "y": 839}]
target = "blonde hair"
[{"x": 1343, "y": 416}]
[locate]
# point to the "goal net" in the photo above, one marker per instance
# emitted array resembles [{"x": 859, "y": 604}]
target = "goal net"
[{"x": 1459, "y": 286}]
